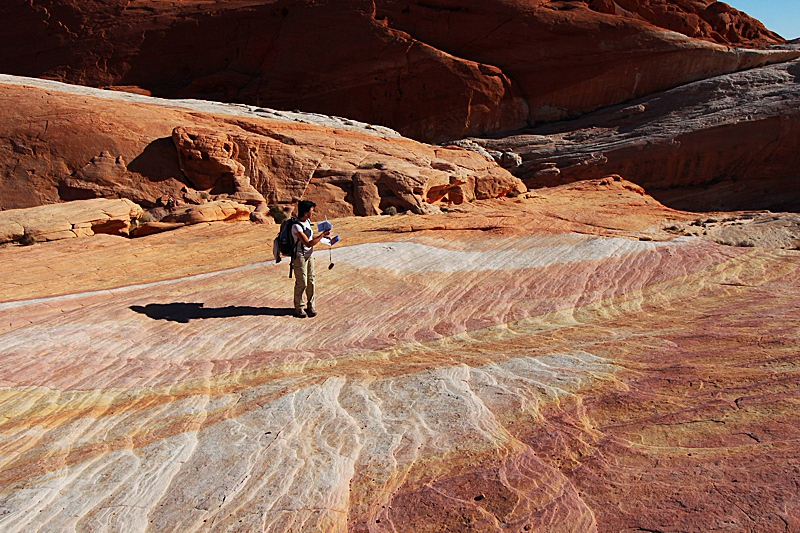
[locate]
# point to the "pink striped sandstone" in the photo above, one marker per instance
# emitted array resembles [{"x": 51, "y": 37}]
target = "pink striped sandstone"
[{"x": 501, "y": 368}]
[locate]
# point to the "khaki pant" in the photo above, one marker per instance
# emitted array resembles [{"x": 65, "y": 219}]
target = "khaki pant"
[{"x": 303, "y": 282}]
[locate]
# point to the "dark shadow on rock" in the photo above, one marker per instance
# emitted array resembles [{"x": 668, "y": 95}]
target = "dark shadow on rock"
[
  {"x": 184, "y": 312},
  {"x": 158, "y": 161},
  {"x": 794, "y": 70}
]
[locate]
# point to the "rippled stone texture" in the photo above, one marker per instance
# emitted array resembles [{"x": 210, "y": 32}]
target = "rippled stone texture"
[{"x": 503, "y": 367}]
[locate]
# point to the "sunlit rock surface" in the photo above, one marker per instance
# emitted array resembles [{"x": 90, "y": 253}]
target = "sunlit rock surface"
[
  {"x": 434, "y": 70},
  {"x": 62, "y": 142},
  {"x": 552, "y": 363},
  {"x": 68, "y": 220}
]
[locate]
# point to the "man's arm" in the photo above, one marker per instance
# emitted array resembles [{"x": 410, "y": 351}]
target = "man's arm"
[{"x": 310, "y": 243}]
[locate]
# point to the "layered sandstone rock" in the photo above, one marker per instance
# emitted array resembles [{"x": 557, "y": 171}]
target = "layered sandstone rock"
[
  {"x": 727, "y": 143},
  {"x": 765, "y": 230},
  {"x": 343, "y": 173},
  {"x": 65, "y": 146},
  {"x": 177, "y": 217},
  {"x": 526, "y": 364},
  {"x": 701, "y": 19},
  {"x": 68, "y": 220},
  {"x": 434, "y": 71}
]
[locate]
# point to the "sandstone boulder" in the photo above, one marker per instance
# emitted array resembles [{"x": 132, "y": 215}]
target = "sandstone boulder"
[
  {"x": 68, "y": 220},
  {"x": 220, "y": 210},
  {"x": 179, "y": 216},
  {"x": 434, "y": 71}
]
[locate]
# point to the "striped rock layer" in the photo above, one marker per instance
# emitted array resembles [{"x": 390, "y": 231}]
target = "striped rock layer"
[{"x": 503, "y": 377}]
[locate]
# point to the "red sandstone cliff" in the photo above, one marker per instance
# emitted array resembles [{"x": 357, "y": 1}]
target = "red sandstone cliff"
[{"x": 433, "y": 70}]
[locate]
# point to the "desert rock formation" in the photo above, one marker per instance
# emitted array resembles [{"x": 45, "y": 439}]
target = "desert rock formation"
[
  {"x": 64, "y": 146},
  {"x": 727, "y": 143},
  {"x": 68, "y": 220},
  {"x": 578, "y": 357},
  {"x": 434, "y": 71},
  {"x": 554, "y": 362}
]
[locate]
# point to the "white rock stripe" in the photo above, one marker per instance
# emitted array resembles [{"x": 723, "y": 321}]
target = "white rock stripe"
[{"x": 409, "y": 257}]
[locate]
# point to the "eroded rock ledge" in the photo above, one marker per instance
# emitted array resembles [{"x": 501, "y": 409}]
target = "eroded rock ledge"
[
  {"x": 68, "y": 220},
  {"x": 71, "y": 147},
  {"x": 726, "y": 143}
]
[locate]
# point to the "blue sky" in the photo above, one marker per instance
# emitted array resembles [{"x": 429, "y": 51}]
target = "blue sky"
[{"x": 780, "y": 16}]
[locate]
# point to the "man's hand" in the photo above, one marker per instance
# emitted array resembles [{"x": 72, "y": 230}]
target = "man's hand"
[{"x": 313, "y": 242}]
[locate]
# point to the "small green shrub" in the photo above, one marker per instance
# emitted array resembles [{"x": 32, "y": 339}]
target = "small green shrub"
[
  {"x": 277, "y": 214},
  {"x": 147, "y": 216}
]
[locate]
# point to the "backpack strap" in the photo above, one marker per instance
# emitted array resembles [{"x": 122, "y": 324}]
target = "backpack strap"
[
  {"x": 297, "y": 243},
  {"x": 292, "y": 222}
]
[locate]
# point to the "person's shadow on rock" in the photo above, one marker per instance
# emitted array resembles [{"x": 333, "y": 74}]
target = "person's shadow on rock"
[{"x": 184, "y": 312}]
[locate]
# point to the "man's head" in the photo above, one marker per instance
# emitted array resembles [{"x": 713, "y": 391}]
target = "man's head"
[{"x": 304, "y": 208}]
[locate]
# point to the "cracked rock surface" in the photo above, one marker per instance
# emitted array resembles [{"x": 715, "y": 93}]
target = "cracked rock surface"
[{"x": 67, "y": 143}]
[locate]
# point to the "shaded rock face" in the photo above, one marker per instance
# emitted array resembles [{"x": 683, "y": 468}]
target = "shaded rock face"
[
  {"x": 727, "y": 143},
  {"x": 434, "y": 71},
  {"x": 57, "y": 147},
  {"x": 525, "y": 364},
  {"x": 67, "y": 147}
]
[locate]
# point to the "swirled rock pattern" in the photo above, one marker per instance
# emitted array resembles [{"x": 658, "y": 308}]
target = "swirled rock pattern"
[{"x": 487, "y": 369}]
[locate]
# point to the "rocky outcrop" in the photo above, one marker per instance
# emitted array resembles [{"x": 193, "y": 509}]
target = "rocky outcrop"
[
  {"x": 702, "y": 19},
  {"x": 65, "y": 147},
  {"x": 68, "y": 220},
  {"x": 344, "y": 175},
  {"x": 727, "y": 143},
  {"x": 178, "y": 217},
  {"x": 761, "y": 229},
  {"x": 209, "y": 162},
  {"x": 432, "y": 70},
  {"x": 522, "y": 364},
  {"x": 57, "y": 147}
]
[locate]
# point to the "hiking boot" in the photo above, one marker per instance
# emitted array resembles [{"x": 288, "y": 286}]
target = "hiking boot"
[
  {"x": 311, "y": 312},
  {"x": 299, "y": 313}
]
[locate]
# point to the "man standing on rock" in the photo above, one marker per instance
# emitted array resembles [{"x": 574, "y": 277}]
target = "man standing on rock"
[{"x": 303, "y": 264}]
